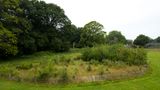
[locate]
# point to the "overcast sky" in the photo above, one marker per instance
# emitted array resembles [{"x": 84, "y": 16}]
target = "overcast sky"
[{"x": 131, "y": 17}]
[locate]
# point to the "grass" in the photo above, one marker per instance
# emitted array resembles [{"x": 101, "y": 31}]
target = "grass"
[
  {"x": 69, "y": 67},
  {"x": 148, "y": 82}
]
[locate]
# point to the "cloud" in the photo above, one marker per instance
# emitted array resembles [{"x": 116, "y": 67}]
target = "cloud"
[{"x": 131, "y": 17}]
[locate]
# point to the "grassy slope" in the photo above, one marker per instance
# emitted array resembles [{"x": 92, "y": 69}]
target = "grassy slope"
[{"x": 150, "y": 82}]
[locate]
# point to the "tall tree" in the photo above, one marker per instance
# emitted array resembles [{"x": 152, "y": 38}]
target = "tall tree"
[
  {"x": 72, "y": 34},
  {"x": 8, "y": 42},
  {"x": 115, "y": 37},
  {"x": 14, "y": 20},
  {"x": 36, "y": 25},
  {"x": 12, "y": 17},
  {"x": 141, "y": 40},
  {"x": 92, "y": 34},
  {"x": 158, "y": 39},
  {"x": 49, "y": 22}
]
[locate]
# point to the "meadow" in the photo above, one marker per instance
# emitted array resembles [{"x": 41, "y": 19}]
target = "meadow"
[
  {"x": 98, "y": 63},
  {"x": 41, "y": 49},
  {"x": 146, "y": 82}
]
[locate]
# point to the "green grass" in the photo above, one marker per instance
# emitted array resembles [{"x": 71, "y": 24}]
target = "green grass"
[
  {"x": 148, "y": 82},
  {"x": 66, "y": 67}
]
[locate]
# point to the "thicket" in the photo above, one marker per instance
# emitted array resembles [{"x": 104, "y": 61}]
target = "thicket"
[{"x": 131, "y": 56}]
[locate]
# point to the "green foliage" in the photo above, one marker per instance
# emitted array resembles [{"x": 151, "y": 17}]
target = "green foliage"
[
  {"x": 13, "y": 19},
  {"x": 49, "y": 25},
  {"x": 58, "y": 45},
  {"x": 44, "y": 73},
  {"x": 55, "y": 68},
  {"x": 115, "y": 37},
  {"x": 92, "y": 34},
  {"x": 27, "y": 45},
  {"x": 5, "y": 71},
  {"x": 142, "y": 40},
  {"x": 36, "y": 26},
  {"x": 115, "y": 53},
  {"x": 95, "y": 53},
  {"x": 158, "y": 39},
  {"x": 72, "y": 33},
  {"x": 8, "y": 42},
  {"x": 147, "y": 82},
  {"x": 24, "y": 66}
]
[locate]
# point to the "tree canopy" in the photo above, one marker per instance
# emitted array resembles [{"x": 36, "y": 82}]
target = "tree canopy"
[
  {"x": 8, "y": 42},
  {"x": 92, "y": 34},
  {"x": 115, "y": 37},
  {"x": 27, "y": 26},
  {"x": 158, "y": 39},
  {"x": 142, "y": 40}
]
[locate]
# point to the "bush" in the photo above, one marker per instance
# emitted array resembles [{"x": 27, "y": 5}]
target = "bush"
[
  {"x": 115, "y": 53},
  {"x": 95, "y": 53}
]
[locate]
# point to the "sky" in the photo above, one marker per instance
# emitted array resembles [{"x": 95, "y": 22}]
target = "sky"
[{"x": 131, "y": 17}]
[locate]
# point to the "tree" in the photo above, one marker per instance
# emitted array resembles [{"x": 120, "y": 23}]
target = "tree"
[
  {"x": 141, "y": 40},
  {"x": 49, "y": 25},
  {"x": 72, "y": 34},
  {"x": 115, "y": 37},
  {"x": 13, "y": 19},
  {"x": 8, "y": 42},
  {"x": 36, "y": 25},
  {"x": 158, "y": 39},
  {"x": 92, "y": 34}
]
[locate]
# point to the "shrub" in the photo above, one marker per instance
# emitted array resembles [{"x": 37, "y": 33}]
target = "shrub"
[
  {"x": 137, "y": 56},
  {"x": 95, "y": 53},
  {"x": 115, "y": 53}
]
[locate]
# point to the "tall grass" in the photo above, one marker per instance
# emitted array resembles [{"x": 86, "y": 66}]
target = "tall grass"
[
  {"x": 131, "y": 56},
  {"x": 70, "y": 67}
]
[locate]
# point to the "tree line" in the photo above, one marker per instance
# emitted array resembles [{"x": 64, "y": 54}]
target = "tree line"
[{"x": 28, "y": 26}]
